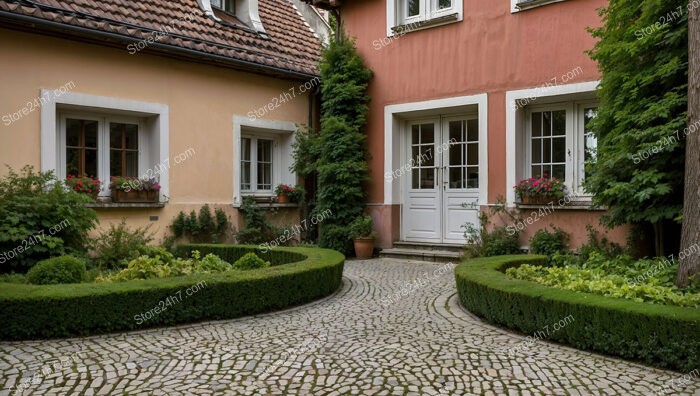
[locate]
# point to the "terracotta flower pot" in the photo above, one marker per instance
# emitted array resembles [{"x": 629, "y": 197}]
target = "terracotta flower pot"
[
  {"x": 364, "y": 247},
  {"x": 134, "y": 196},
  {"x": 537, "y": 199},
  {"x": 282, "y": 198}
]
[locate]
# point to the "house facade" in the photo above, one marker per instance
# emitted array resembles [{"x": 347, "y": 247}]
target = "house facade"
[
  {"x": 203, "y": 95},
  {"x": 468, "y": 98}
]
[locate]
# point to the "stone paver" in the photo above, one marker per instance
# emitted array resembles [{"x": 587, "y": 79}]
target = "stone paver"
[{"x": 376, "y": 336}]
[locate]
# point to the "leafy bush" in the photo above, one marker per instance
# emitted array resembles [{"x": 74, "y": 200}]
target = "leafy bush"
[
  {"x": 597, "y": 281},
  {"x": 484, "y": 243},
  {"x": 549, "y": 243},
  {"x": 202, "y": 228},
  {"x": 41, "y": 218},
  {"x": 232, "y": 253},
  {"x": 658, "y": 335},
  {"x": 257, "y": 228},
  {"x": 165, "y": 265},
  {"x": 598, "y": 245},
  {"x": 250, "y": 261},
  {"x": 30, "y": 312},
  {"x": 120, "y": 244},
  {"x": 361, "y": 227},
  {"x": 57, "y": 270}
]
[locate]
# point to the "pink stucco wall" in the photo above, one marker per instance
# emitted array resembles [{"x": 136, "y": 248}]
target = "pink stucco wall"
[{"x": 491, "y": 51}]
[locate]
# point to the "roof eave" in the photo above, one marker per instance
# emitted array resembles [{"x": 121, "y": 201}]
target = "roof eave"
[{"x": 42, "y": 26}]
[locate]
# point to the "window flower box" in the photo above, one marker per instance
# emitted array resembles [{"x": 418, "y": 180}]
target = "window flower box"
[
  {"x": 540, "y": 190},
  {"x": 286, "y": 194},
  {"x": 134, "y": 190}
]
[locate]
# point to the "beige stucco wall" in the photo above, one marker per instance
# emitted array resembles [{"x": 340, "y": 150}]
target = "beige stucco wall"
[{"x": 201, "y": 100}]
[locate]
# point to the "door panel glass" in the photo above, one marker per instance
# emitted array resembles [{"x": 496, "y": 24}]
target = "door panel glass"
[
  {"x": 427, "y": 134},
  {"x": 427, "y": 179},
  {"x": 456, "y": 154},
  {"x": 457, "y": 178}
]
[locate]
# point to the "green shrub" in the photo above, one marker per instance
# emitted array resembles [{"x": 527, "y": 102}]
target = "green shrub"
[
  {"x": 41, "y": 218},
  {"x": 28, "y": 311},
  {"x": 57, "y": 270},
  {"x": 250, "y": 261},
  {"x": 120, "y": 244},
  {"x": 482, "y": 242},
  {"x": 664, "y": 336},
  {"x": 202, "y": 228},
  {"x": 257, "y": 228},
  {"x": 597, "y": 281},
  {"x": 165, "y": 265},
  {"x": 361, "y": 227},
  {"x": 549, "y": 243}
]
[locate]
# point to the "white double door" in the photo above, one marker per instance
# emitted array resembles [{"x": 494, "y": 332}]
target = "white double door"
[{"x": 442, "y": 183}]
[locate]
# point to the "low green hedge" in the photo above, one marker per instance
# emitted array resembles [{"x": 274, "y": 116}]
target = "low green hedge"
[
  {"x": 29, "y": 311},
  {"x": 658, "y": 335}
]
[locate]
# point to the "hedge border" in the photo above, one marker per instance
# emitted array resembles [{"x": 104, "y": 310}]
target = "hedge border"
[
  {"x": 31, "y": 312},
  {"x": 658, "y": 335}
]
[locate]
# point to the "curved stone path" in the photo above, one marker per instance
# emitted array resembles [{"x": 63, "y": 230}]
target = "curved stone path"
[{"x": 395, "y": 328}]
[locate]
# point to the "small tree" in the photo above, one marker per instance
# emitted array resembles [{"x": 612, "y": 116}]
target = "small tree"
[
  {"x": 690, "y": 237},
  {"x": 638, "y": 174},
  {"x": 342, "y": 165}
]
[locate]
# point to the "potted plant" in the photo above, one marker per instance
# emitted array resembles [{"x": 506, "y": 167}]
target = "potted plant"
[
  {"x": 361, "y": 234},
  {"x": 84, "y": 185},
  {"x": 133, "y": 189},
  {"x": 540, "y": 190},
  {"x": 287, "y": 193}
]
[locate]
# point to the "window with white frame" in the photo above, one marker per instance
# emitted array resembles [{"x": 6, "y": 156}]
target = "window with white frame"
[
  {"x": 559, "y": 142},
  {"x": 228, "y": 6},
  {"x": 258, "y": 165},
  {"x": 100, "y": 146},
  {"x": 414, "y": 14}
]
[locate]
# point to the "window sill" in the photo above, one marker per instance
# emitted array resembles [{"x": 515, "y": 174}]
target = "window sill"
[
  {"x": 574, "y": 205},
  {"x": 530, "y": 4},
  {"x": 125, "y": 205},
  {"x": 267, "y": 202},
  {"x": 410, "y": 27}
]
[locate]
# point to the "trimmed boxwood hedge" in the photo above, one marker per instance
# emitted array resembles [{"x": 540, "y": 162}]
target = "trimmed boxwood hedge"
[
  {"x": 659, "y": 335},
  {"x": 29, "y": 311}
]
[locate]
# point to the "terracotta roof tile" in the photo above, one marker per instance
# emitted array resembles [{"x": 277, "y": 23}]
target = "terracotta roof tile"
[{"x": 290, "y": 44}]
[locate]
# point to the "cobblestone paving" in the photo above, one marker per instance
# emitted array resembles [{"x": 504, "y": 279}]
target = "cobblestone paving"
[{"x": 376, "y": 336}]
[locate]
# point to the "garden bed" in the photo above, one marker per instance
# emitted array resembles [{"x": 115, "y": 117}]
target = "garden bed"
[
  {"x": 658, "y": 335},
  {"x": 297, "y": 276}
]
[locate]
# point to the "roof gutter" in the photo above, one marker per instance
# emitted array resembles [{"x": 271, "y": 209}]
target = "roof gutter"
[{"x": 89, "y": 34}]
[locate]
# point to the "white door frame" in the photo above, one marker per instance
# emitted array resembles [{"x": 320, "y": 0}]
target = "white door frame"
[{"x": 394, "y": 146}]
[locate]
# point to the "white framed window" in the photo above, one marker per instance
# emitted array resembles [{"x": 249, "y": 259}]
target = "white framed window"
[
  {"x": 558, "y": 142},
  {"x": 262, "y": 152},
  {"x": 259, "y": 156},
  {"x": 408, "y": 15},
  {"x": 228, "y": 6},
  {"x": 102, "y": 146}
]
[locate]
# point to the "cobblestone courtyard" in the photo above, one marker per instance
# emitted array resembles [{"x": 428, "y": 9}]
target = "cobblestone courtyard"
[{"x": 375, "y": 336}]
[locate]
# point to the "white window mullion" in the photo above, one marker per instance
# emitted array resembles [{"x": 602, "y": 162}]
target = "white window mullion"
[
  {"x": 571, "y": 157},
  {"x": 103, "y": 155}
]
